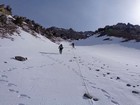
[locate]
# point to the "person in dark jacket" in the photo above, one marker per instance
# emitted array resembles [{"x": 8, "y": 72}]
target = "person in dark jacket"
[
  {"x": 60, "y": 48},
  {"x": 72, "y": 44}
]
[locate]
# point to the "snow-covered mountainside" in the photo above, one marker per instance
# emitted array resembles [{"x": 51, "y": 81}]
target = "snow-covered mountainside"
[
  {"x": 109, "y": 73},
  {"x": 95, "y": 40}
]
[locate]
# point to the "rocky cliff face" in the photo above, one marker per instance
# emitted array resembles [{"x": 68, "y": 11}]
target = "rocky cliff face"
[
  {"x": 126, "y": 31},
  {"x": 9, "y": 24},
  {"x": 7, "y": 27},
  {"x": 67, "y": 33}
]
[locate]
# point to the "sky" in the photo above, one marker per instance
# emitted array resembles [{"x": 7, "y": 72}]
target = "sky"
[{"x": 81, "y": 15}]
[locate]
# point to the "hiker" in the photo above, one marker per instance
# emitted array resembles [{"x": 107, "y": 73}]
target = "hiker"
[
  {"x": 60, "y": 48},
  {"x": 72, "y": 45}
]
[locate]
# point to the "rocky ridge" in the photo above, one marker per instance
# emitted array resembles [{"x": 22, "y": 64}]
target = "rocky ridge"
[{"x": 9, "y": 25}]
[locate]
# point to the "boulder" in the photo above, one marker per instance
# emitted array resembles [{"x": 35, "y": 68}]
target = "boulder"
[
  {"x": 95, "y": 99},
  {"x": 20, "y": 58},
  {"x": 128, "y": 85},
  {"x": 87, "y": 96},
  {"x": 117, "y": 78},
  {"x": 135, "y": 92}
]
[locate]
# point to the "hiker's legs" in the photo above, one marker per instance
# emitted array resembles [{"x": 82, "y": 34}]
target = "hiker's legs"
[{"x": 60, "y": 51}]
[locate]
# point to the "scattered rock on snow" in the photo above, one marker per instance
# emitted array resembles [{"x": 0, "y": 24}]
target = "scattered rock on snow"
[
  {"x": 20, "y": 58},
  {"x": 108, "y": 73},
  {"x": 95, "y": 99},
  {"x": 117, "y": 78},
  {"x": 74, "y": 57},
  {"x": 107, "y": 39},
  {"x": 128, "y": 85},
  {"x": 135, "y": 92},
  {"x": 87, "y": 96},
  {"x": 97, "y": 70},
  {"x": 134, "y": 86},
  {"x": 102, "y": 68}
]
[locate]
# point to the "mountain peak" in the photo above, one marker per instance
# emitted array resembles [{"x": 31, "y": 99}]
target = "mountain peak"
[
  {"x": 5, "y": 10},
  {"x": 126, "y": 31}
]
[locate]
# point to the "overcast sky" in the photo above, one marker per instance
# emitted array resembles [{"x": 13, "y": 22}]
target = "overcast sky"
[{"x": 81, "y": 15}]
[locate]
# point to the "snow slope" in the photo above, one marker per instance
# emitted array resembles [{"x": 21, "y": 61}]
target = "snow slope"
[
  {"x": 48, "y": 78},
  {"x": 95, "y": 40}
]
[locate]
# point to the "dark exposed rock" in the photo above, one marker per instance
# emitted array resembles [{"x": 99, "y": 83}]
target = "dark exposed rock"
[
  {"x": 97, "y": 69},
  {"x": 67, "y": 33},
  {"x": 95, "y": 99},
  {"x": 117, "y": 78},
  {"x": 102, "y": 68},
  {"x": 128, "y": 85},
  {"x": 20, "y": 58},
  {"x": 107, "y": 39},
  {"x": 135, "y": 92},
  {"x": 108, "y": 73},
  {"x": 9, "y": 26},
  {"x": 134, "y": 86},
  {"x": 87, "y": 96},
  {"x": 126, "y": 31}
]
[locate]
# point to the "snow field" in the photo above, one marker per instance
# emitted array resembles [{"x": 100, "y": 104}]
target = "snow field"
[{"x": 48, "y": 78}]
